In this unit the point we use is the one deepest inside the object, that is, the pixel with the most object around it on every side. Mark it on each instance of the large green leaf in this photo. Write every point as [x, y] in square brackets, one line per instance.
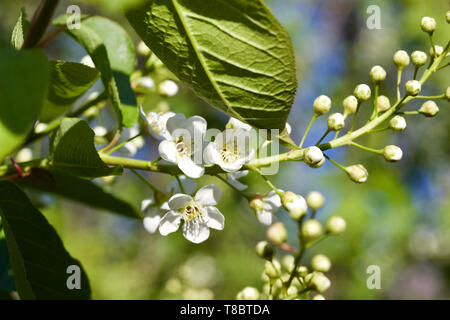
[68, 81]
[38, 257]
[23, 84]
[7, 283]
[233, 53]
[72, 149]
[84, 191]
[20, 29]
[112, 52]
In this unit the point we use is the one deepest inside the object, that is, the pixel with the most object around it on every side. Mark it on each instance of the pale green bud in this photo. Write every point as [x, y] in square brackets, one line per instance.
[295, 204]
[392, 153]
[292, 290]
[447, 16]
[264, 250]
[256, 203]
[272, 268]
[311, 229]
[350, 104]
[302, 271]
[383, 103]
[313, 156]
[335, 225]
[428, 24]
[315, 200]
[357, 173]
[362, 92]
[248, 293]
[378, 74]
[288, 263]
[321, 105]
[397, 123]
[320, 262]
[413, 87]
[168, 88]
[142, 49]
[319, 281]
[318, 297]
[336, 121]
[401, 59]
[419, 58]
[438, 49]
[429, 108]
[277, 233]
[24, 155]
[447, 94]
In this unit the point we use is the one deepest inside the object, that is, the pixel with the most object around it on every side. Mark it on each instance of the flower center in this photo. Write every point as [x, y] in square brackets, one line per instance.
[183, 147]
[192, 212]
[229, 153]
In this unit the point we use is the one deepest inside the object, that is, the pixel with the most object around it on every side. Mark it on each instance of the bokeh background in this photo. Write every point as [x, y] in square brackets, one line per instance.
[398, 220]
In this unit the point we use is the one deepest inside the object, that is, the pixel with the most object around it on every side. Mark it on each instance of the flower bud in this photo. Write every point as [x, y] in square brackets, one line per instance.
[295, 204]
[288, 263]
[24, 155]
[319, 281]
[397, 123]
[350, 104]
[447, 16]
[311, 229]
[419, 58]
[315, 200]
[272, 269]
[256, 203]
[248, 293]
[357, 173]
[392, 153]
[313, 156]
[142, 49]
[321, 105]
[168, 88]
[318, 297]
[335, 225]
[145, 83]
[277, 233]
[429, 108]
[378, 74]
[413, 87]
[383, 103]
[362, 92]
[401, 59]
[438, 49]
[264, 250]
[100, 131]
[320, 262]
[302, 271]
[428, 24]
[447, 94]
[336, 121]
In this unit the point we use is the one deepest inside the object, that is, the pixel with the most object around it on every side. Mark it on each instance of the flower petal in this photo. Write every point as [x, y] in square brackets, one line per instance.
[236, 183]
[273, 200]
[169, 223]
[190, 168]
[151, 223]
[178, 121]
[195, 233]
[178, 201]
[196, 123]
[208, 195]
[216, 220]
[147, 202]
[265, 217]
[168, 151]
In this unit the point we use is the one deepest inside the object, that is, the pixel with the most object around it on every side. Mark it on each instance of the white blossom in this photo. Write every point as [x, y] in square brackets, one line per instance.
[233, 177]
[157, 123]
[87, 61]
[153, 213]
[168, 88]
[265, 207]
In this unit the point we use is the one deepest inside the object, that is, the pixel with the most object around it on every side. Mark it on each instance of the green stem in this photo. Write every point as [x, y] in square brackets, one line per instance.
[299, 255]
[441, 96]
[124, 143]
[143, 179]
[180, 184]
[307, 130]
[375, 105]
[354, 117]
[416, 68]
[408, 112]
[323, 137]
[232, 187]
[399, 80]
[335, 163]
[366, 148]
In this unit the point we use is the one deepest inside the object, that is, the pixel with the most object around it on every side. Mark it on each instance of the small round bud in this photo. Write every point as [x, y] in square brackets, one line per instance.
[401, 59]
[311, 229]
[145, 83]
[142, 49]
[321, 105]
[428, 24]
[315, 200]
[302, 271]
[277, 233]
[378, 74]
[248, 293]
[318, 297]
[168, 88]
[264, 250]
[288, 263]
[357, 173]
[256, 203]
[295, 204]
[272, 269]
[438, 49]
[336, 121]
[429, 108]
[447, 94]
[392, 153]
[413, 87]
[419, 58]
[313, 156]
[335, 225]
[320, 262]
[319, 281]
[350, 104]
[362, 92]
[383, 103]
[100, 131]
[397, 123]
[24, 155]
[447, 16]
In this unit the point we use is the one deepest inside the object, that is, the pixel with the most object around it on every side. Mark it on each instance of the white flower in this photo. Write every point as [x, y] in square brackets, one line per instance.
[145, 83]
[100, 131]
[153, 213]
[189, 186]
[198, 213]
[168, 88]
[265, 207]
[230, 150]
[185, 144]
[157, 123]
[233, 177]
[87, 61]
[234, 124]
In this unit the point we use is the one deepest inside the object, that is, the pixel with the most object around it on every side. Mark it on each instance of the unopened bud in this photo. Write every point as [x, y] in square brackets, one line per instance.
[288, 263]
[100, 131]
[321, 105]
[295, 204]
[272, 269]
[383, 103]
[277, 233]
[438, 49]
[428, 24]
[413, 87]
[335, 225]
[248, 293]
[311, 229]
[362, 92]
[313, 156]
[142, 49]
[429, 108]
[397, 123]
[320, 262]
[378, 74]
[145, 83]
[350, 104]
[336, 121]
[419, 58]
[256, 203]
[168, 88]
[357, 173]
[392, 153]
[447, 16]
[318, 297]
[315, 200]
[319, 281]
[264, 250]
[401, 59]
[302, 271]
[447, 94]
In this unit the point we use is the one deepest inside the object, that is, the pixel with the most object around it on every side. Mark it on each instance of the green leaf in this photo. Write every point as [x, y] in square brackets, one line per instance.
[68, 81]
[23, 84]
[20, 29]
[6, 275]
[84, 191]
[232, 53]
[38, 257]
[72, 149]
[112, 52]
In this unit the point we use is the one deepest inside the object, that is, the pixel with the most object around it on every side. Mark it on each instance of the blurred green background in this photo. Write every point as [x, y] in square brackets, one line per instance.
[398, 220]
